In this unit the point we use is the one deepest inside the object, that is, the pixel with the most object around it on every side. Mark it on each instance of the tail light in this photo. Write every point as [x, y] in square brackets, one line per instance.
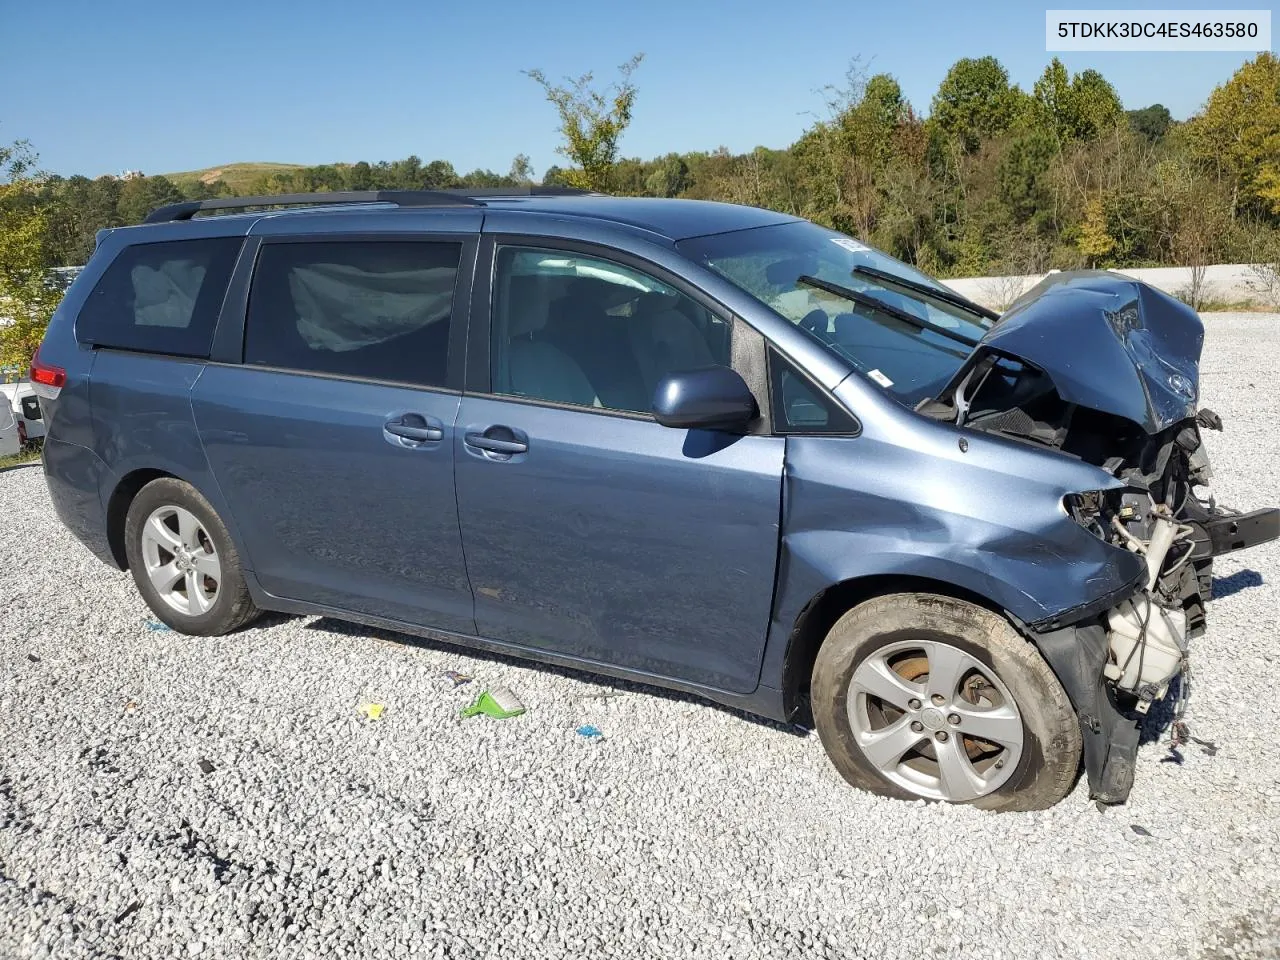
[46, 379]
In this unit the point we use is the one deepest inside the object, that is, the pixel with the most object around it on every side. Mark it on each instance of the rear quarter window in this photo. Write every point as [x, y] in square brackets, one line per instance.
[160, 297]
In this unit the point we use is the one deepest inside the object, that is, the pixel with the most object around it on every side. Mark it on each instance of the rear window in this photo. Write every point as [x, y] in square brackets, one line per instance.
[373, 309]
[160, 297]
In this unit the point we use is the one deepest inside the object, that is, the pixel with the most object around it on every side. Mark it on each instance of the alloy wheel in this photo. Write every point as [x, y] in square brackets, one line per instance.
[935, 720]
[181, 560]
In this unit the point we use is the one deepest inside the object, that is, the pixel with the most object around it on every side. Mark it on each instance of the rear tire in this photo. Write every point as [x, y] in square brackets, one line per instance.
[184, 562]
[918, 696]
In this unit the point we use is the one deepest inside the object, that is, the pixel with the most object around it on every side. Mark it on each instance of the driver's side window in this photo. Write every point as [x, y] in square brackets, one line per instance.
[580, 330]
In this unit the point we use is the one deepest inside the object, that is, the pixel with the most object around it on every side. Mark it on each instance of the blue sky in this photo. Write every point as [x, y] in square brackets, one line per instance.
[99, 87]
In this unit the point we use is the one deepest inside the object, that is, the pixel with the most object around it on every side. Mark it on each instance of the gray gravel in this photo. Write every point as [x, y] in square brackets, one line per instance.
[688, 831]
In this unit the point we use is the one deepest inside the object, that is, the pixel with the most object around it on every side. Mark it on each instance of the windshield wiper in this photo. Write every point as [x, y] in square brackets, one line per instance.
[946, 296]
[871, 303]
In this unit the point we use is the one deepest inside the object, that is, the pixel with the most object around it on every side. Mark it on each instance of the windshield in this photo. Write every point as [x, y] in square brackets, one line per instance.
[907, 341]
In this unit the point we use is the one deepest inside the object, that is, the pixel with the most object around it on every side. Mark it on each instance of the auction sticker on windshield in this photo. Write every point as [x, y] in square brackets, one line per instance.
[853, 246]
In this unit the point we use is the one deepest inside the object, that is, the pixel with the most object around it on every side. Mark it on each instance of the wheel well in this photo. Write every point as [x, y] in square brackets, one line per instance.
[118, 510]
[822, 611]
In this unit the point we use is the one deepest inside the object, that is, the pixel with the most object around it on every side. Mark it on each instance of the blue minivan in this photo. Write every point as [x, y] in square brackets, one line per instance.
[699, 445]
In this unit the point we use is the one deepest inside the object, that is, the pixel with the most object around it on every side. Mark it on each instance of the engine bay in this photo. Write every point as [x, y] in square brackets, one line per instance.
[1165, 512]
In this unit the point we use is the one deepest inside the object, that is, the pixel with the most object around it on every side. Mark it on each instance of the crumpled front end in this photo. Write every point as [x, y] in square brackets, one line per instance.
[1106, 370]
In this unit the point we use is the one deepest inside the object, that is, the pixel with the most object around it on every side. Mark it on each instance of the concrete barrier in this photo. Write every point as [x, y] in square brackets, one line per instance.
[1227, 283]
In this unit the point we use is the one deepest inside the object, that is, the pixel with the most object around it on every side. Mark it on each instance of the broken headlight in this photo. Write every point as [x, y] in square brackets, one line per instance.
[1093, 510]
[1109, 514]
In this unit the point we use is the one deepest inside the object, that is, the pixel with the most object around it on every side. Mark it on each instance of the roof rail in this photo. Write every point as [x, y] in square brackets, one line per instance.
[404, 198]
[523, 191]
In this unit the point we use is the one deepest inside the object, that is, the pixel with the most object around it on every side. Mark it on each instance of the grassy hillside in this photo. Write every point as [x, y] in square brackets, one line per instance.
[236, 175]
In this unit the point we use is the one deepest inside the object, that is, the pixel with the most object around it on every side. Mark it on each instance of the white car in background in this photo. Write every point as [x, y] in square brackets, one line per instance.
[21, 400]
[9, 442]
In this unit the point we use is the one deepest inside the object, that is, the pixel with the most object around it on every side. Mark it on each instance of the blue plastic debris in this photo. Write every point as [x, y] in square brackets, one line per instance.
[157, 625]
[586, 730]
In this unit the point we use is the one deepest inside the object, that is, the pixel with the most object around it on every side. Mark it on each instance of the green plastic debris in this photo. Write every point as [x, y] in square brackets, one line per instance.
[498, 702]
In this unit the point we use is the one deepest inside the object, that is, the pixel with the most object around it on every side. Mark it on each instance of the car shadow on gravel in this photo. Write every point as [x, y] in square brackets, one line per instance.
[616, 687]
[1156, 726]
[1240, 580]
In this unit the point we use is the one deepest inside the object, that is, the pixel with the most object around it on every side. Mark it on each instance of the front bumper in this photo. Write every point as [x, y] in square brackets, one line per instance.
[1217, 533]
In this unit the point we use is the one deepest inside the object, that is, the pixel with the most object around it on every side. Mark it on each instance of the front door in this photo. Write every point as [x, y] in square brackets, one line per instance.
[333, 441]
[590, 530]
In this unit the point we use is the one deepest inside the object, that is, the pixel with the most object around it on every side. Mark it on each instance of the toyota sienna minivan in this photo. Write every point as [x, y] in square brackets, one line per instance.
[700, 445]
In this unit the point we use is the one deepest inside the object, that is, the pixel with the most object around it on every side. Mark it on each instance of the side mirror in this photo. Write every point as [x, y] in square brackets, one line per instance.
[709, 398]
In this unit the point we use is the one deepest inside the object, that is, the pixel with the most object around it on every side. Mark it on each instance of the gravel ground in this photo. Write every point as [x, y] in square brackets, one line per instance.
[687, 831]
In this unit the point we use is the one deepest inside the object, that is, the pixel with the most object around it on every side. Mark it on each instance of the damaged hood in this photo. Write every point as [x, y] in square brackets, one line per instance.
[1108, 342]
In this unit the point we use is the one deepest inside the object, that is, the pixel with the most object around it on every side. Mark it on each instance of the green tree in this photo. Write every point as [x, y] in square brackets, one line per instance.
[975, 102]
[75, 210]
[1075, 108]
[591, 122]
[1023, 181]
[439, 175]
[1095, 105]
[360, 176]
[1052, 93]
[670, 179]
[521, 172]
[869, 124]
[1151, 123]
[141, 195]
[27, 298]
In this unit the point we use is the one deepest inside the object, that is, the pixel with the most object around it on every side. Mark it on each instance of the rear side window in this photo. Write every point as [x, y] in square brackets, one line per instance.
[160, 297]
[374, 309]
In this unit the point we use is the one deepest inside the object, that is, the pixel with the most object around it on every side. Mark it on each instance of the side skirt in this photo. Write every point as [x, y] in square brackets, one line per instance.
[764, 701]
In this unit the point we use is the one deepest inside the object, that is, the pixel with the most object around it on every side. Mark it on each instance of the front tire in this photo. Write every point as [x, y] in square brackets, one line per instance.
[918, 696]
[183, 561]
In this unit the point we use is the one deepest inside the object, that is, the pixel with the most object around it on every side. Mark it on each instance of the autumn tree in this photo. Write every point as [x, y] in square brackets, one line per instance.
[1239, 132]
[592, 121]
[1095, 242]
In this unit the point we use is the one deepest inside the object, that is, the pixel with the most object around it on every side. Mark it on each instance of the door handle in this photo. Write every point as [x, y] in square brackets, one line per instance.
[414, 427]
[494, 444]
